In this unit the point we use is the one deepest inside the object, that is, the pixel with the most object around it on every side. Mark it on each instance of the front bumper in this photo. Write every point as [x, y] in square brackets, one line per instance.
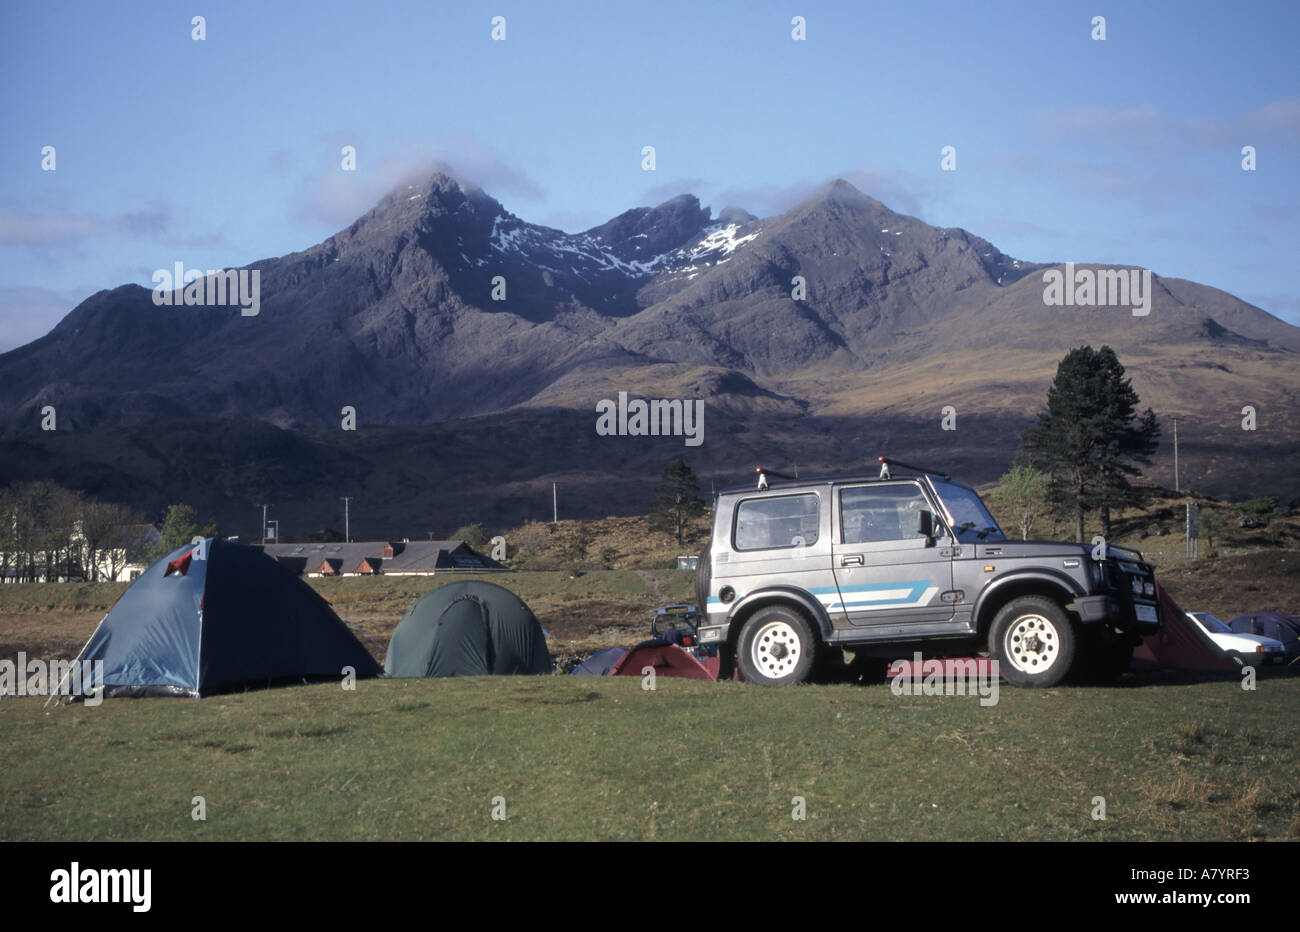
[1261, 658]
[711, 634]
[1141, 616]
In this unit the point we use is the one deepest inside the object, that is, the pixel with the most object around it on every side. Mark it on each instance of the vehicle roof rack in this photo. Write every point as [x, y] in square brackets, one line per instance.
[764, 473]
[886, 462]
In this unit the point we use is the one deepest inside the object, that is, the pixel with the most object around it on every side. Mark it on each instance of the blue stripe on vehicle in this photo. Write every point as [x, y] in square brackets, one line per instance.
[916, 585]
[916, 588]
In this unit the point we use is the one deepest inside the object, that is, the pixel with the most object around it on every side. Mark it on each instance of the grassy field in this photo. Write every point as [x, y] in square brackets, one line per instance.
[599, 758]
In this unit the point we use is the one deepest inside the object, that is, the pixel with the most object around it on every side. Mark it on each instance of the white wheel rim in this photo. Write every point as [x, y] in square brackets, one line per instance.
[776, 650]
[1032, 644]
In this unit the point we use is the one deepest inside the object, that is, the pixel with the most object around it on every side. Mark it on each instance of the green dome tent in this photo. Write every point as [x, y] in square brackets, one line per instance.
[468, 628]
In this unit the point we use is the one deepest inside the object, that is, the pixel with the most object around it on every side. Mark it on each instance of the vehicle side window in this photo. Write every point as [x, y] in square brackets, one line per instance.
[870, 514]
[783, 521]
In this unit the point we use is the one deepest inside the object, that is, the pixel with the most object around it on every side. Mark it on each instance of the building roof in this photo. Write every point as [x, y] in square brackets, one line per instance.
[413, 556]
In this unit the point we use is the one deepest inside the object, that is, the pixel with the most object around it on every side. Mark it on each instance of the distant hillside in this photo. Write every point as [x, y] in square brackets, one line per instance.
[468, 408]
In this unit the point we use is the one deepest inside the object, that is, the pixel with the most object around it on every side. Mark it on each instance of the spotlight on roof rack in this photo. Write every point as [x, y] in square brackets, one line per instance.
[886, 462]
[764, 473]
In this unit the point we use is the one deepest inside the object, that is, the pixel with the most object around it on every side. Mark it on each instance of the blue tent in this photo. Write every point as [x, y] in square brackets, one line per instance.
[600, 663]
[217, 616]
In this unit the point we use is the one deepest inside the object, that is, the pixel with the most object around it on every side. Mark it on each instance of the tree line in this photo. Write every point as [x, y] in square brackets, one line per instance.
[49, 532]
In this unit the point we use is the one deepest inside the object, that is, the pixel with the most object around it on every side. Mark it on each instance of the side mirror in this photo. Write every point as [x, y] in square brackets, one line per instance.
[925, 525]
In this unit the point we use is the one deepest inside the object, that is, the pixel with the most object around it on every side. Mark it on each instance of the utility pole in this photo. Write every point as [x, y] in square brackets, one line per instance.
[1176, 455]
[347, 528]
[555, 505]
[263, 534]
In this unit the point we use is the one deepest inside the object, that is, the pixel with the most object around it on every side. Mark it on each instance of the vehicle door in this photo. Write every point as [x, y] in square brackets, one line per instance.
[887, 569]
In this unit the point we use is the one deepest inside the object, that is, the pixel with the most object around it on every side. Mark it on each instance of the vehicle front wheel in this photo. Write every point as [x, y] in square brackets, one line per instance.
[1034, 641]
[776, 647]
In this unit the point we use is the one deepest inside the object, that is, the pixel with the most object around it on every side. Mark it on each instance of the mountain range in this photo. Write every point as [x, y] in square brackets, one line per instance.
[473, 348]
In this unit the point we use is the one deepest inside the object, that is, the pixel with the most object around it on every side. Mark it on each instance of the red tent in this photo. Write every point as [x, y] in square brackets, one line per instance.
[1179, 644]
[666, 660]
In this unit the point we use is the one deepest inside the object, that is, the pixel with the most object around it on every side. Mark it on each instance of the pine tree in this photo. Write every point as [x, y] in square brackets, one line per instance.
[676, 500]
[1090, 437]
[179, 527]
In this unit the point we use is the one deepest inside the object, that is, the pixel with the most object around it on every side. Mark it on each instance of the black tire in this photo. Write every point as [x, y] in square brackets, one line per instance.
[703, 577]
[1034, 642]
[776, 647]
[1104, 660]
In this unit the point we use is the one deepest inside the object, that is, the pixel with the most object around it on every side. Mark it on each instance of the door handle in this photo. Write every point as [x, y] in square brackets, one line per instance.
[853, 559]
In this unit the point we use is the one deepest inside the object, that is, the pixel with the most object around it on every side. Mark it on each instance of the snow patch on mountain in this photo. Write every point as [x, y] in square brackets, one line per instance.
[587, 254]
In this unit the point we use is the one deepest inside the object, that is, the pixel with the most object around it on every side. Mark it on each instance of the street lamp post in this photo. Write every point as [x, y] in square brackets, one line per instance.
[263, 534]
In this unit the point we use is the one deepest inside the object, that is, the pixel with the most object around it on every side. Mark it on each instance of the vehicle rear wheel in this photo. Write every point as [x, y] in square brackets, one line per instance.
[776, 647]
[1033, 640]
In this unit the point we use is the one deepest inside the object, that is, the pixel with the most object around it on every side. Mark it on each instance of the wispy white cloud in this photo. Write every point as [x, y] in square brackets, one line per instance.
[64, 229]
[57, 236]
[1145, 126]
[899, 190]
[337, 197]
[1149, 182]
[666, 191]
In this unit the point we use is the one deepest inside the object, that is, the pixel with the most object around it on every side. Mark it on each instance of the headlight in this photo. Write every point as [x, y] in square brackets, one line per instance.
[1137, 586]
[1149, 588]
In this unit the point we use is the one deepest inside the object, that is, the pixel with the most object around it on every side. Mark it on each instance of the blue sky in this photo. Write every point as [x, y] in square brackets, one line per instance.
[220, 152]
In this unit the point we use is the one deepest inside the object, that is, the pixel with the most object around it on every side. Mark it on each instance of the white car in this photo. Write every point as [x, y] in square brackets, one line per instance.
[1244, 648]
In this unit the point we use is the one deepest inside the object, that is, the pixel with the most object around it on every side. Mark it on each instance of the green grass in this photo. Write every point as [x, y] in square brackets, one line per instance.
[51, 597]
[532, 586]
[597, 758]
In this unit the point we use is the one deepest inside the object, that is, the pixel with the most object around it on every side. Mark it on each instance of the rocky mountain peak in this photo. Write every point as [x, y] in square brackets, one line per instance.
[645, 232]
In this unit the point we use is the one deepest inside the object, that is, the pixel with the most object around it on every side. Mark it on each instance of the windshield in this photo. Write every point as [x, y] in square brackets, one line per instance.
[973, 521]
[1211, 623]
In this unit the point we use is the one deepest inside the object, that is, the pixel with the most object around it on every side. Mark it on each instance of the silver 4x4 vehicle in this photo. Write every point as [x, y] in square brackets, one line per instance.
[798, 569]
